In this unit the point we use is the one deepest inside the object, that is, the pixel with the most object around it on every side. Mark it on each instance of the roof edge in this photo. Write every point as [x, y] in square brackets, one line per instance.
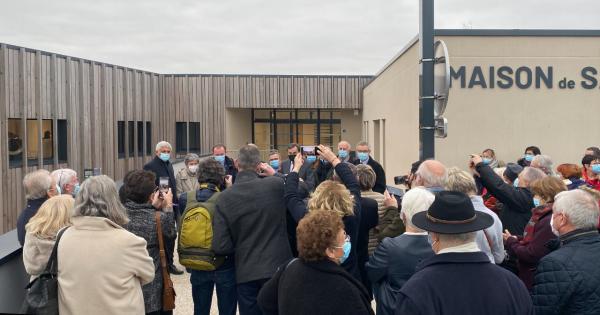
[491, 32]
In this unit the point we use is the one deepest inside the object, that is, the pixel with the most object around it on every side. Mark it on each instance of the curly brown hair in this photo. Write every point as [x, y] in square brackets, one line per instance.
[138, 186]
[316, 232]
[210, 171]
[547, 187]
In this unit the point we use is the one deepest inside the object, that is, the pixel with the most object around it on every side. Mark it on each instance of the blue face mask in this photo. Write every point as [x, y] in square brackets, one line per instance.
[58, 190]
[311, 158]
[528, 157]
[487, 161]
[274, 164]
[362, 156]
[596, 168]
[516, 183]
[76, 190]
[165, 157]
[536, 202]
[220, 159]
[347, 246]
[342, 153]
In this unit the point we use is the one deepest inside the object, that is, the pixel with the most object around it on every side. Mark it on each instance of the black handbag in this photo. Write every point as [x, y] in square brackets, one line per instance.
[42, 294]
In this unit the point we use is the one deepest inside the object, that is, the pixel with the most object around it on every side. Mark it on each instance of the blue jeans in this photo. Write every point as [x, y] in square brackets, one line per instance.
[247, 293]
[203, 283]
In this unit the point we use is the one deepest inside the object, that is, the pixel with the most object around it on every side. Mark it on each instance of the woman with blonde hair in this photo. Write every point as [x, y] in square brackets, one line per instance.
[53, 215]
[344, 199]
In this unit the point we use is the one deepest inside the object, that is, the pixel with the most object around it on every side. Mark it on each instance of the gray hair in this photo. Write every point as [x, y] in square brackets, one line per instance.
[580, 208]
[163, 144]
[98, 197]
[430, 176]
[414, 201]
[366, 177]
[37, 184]
[544, 163]
[531, 174]
[346, 142]
[63, 176]
[248, 158]
[191, 157]
[461, 181]
[363, 143]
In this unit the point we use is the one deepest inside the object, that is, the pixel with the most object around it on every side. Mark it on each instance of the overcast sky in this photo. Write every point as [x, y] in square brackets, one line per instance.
[262, 36]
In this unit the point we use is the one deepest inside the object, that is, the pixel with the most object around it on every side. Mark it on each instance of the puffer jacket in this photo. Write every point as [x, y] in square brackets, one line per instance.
[567, 280]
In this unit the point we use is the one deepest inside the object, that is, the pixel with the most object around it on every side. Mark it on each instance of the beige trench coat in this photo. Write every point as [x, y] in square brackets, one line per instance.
[101, 269]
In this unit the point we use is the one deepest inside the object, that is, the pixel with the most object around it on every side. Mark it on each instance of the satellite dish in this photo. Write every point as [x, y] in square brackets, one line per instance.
[441, 78]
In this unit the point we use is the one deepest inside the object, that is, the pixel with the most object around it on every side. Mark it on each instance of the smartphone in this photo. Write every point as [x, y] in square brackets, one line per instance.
[309, 150]
[163, 184]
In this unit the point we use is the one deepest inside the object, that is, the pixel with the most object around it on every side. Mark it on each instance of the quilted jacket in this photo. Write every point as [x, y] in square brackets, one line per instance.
[567, 280]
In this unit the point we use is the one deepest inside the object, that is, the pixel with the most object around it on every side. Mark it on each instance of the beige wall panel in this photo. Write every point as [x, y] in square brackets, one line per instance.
[238, 126]
[394, 96]
[351, 127]
[562, 122]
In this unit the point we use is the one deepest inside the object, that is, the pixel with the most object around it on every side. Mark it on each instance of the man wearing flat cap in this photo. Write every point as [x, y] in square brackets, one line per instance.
[459, 279]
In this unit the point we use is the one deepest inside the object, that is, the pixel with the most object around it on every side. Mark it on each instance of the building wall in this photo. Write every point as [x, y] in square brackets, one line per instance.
[90, 96]
[562, 122]
[93, 97]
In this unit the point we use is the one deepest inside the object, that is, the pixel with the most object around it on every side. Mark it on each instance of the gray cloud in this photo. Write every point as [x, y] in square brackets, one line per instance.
[261, 36]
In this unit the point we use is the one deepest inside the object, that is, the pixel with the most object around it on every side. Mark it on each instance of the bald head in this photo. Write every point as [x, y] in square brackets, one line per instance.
[431, 173]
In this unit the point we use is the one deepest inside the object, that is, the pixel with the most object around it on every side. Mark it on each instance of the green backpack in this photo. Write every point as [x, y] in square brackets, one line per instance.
[195, 234]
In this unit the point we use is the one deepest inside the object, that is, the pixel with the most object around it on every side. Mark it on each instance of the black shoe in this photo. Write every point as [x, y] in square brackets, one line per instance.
[173, 270]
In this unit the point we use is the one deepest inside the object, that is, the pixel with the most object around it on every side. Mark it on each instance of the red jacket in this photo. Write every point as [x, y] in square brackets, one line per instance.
[529, 254]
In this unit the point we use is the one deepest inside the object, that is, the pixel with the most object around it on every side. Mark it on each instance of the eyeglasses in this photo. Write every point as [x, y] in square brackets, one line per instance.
[346, 239]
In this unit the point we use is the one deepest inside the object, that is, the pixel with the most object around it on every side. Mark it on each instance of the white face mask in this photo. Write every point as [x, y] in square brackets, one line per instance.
[193, 168]
[555, 231]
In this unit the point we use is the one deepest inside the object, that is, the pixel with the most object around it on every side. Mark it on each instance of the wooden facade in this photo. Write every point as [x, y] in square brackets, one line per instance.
[93, 98]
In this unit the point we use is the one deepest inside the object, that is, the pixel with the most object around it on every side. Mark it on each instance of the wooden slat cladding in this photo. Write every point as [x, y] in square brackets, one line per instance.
[92, 98]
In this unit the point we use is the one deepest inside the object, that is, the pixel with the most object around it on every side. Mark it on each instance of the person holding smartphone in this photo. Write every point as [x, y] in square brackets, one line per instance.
[162, 168]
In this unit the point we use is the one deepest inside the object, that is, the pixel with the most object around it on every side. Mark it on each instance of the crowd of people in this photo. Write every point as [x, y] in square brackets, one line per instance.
[317, 232]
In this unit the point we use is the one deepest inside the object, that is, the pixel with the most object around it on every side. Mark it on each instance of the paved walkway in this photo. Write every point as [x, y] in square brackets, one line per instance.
[183, 302]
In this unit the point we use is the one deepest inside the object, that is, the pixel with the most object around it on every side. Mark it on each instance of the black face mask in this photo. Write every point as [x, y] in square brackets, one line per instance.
[292, 157]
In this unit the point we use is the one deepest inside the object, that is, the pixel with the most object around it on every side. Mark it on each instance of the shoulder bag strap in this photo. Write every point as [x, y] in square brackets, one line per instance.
[52, 266]
[161, 245]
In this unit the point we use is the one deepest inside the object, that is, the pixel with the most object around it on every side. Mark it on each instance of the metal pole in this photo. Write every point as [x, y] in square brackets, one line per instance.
[426, 121]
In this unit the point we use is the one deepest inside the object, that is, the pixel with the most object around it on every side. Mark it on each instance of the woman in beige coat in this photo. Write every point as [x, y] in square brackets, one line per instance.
[101, 266]
[53, 215]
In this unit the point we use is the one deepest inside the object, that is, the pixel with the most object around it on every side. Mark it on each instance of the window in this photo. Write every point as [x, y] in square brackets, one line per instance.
[195, 137]
[35, 144]
[148, 138]
[15, 143]
[140, 138]
[275, 129]
[181, 137]
[61, 132]
[121, 139]
[131, 137]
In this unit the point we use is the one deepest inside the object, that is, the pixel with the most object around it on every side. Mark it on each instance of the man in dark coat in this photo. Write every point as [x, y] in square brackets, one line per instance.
[567, 281]
[395, 259]
[162, 167]
[517, 200]
[363, 157]
[459, 279]
[39, 186]
[305, 173]
[250, 222]
[220, 154]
